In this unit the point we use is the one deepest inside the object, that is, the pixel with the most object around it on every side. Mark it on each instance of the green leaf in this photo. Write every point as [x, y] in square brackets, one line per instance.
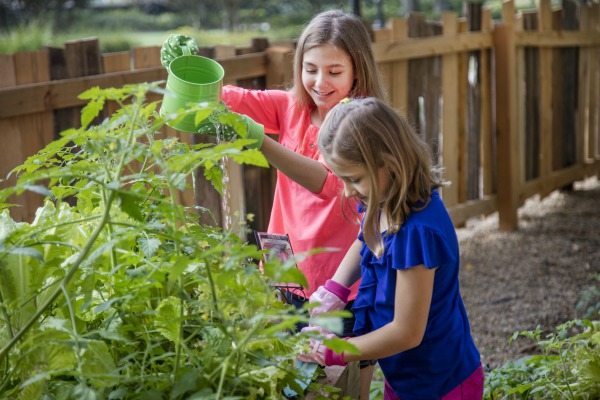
[167, 319]
[201, 115]
[98, 364]
[149, 246]
[215, 176]
[93, 107]
[130, 204]
[340, 345]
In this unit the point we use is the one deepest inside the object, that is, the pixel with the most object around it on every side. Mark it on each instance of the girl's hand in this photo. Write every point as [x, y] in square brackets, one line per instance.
[332, 296]
[322, 354]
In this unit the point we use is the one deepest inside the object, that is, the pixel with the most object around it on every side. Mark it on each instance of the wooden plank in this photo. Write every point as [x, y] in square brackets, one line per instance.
[462, 106]
[82, 58]
[450, 123]
[558, 179]
[584, 79]
[460, 213]
[399, 90]
[507, 116]
[279, 67]
[487, 94]
[223, 51]
[29, 99]
[558, 39]
[474, 100]
[33, 131]
[570, 57]
[245, 66]
[116, 62]
[431, 46]
[557, 98]
[532, 132]
[546, 93]
[146, 57]
[10, 137]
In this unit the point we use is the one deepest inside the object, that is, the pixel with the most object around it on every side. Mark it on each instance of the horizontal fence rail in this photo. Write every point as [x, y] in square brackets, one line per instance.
[509, 107]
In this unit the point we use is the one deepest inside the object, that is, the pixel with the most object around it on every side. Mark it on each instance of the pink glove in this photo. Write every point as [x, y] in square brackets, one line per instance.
[322, 354]
[332, 296]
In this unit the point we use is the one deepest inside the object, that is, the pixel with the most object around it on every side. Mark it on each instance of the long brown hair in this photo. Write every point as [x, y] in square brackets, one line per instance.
[369, 133]
[348, 33]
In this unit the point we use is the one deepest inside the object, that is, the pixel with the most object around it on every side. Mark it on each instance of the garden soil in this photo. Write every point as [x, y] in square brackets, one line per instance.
[545, 273]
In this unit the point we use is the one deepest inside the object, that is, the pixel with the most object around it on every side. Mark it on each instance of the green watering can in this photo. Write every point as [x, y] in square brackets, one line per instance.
[191, 79]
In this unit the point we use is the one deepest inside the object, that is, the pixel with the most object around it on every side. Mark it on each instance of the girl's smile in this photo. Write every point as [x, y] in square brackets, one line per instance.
[328, 77]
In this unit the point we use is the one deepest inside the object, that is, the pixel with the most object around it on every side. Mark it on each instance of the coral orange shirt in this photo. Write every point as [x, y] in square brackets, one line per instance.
[312, 220]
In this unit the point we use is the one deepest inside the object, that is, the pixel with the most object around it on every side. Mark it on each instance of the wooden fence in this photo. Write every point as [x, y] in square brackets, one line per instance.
[510, 107]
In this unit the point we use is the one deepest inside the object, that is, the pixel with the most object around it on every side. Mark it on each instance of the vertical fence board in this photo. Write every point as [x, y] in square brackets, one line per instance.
[450, 121]
[463, 131]
[399, 91]
[507, 114]
[546, 73]
[558, 158]
[10, 136]
[146, 57]
[474, 20]
[570, 59]
[488, 165]
[27, 134]
[533, 74]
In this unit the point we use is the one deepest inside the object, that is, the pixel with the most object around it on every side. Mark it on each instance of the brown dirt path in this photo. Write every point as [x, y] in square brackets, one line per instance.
[514, 281]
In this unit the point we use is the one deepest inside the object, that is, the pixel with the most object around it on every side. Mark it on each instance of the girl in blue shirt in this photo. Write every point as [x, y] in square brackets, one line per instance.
[409, 312]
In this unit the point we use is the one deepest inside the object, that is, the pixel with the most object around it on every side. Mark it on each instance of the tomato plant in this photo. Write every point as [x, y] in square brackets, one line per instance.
[115, 291]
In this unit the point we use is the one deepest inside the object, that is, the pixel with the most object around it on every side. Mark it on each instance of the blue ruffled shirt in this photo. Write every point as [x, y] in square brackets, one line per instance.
[447, 355]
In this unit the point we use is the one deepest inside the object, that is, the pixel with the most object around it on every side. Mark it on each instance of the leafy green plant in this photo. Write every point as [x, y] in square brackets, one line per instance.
[115, 291]
[567, 368]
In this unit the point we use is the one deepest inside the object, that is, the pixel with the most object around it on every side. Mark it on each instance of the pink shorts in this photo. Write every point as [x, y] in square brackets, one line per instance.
[470, 389]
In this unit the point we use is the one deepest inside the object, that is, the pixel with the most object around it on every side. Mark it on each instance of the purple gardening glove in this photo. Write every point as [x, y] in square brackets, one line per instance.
[332, 296]
[322, 354]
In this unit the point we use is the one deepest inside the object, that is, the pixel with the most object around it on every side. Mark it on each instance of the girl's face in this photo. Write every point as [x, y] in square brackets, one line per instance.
[357, 182]
[327, 76]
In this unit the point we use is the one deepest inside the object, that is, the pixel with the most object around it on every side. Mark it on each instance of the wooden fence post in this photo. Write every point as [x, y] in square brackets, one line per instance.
[450, 121]
[488, 161]
[399, 91]
[507, 119]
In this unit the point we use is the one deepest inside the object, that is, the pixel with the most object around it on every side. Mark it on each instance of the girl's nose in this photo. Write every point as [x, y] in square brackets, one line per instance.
[348, 191]
[320, 79]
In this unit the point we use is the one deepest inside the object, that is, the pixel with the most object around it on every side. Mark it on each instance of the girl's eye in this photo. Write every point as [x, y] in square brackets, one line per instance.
[310, 71]
[335, 73]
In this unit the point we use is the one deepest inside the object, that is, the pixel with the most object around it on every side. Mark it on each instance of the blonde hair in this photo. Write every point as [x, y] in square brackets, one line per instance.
[368, 133]
[348, 33]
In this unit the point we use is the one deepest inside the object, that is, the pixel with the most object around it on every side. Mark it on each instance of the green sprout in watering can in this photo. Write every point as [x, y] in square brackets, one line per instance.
[175, 46]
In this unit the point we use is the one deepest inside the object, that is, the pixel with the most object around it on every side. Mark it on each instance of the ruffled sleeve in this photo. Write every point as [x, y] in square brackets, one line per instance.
[420, 245]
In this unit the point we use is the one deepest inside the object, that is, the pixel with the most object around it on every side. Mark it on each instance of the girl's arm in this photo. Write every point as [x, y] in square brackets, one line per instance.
[414, 289]
[349, 270]
[307, 172]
